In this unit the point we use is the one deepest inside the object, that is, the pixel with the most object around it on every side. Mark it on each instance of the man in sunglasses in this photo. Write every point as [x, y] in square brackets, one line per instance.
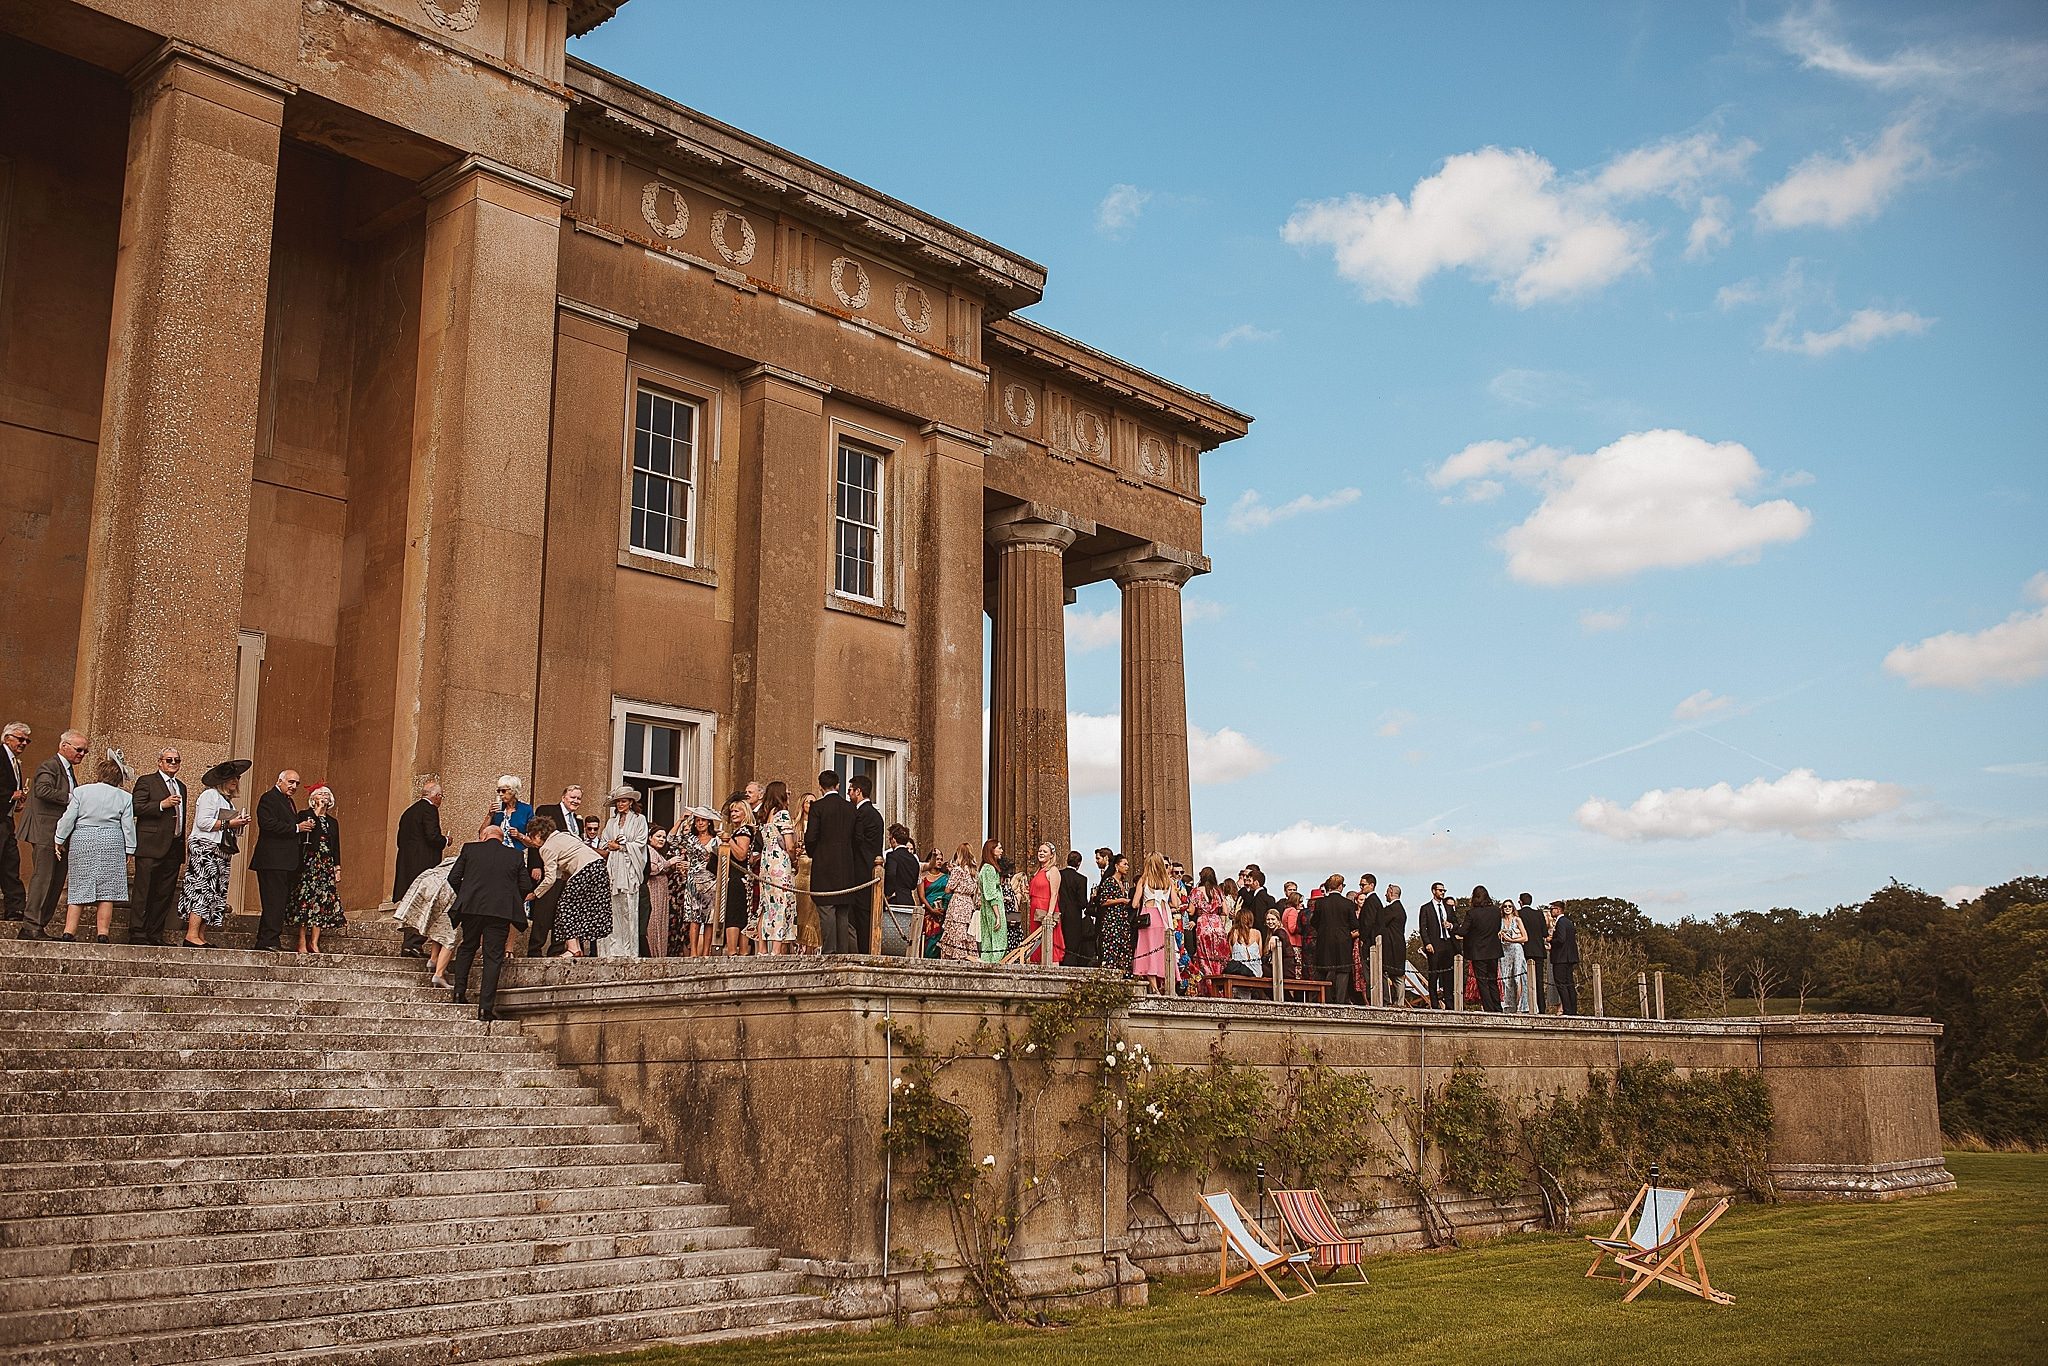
[162, 820]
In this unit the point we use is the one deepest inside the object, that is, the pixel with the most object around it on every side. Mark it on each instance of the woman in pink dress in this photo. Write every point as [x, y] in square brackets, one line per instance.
[1152, 904]
[1212, 929]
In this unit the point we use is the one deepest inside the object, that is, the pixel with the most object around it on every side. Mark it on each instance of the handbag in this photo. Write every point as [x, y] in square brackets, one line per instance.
[229, 845]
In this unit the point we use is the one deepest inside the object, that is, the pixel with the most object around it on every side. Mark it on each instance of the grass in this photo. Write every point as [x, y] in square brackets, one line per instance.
[1946, 1278]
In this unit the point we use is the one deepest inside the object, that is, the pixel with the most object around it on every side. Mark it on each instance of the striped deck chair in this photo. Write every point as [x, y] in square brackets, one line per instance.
[1655, 1211]
[1239, 1235]
[1667, 1263]
[1314, 1230]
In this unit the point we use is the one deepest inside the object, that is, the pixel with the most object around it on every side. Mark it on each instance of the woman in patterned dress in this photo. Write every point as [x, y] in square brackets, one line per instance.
[1113, 911]
[931, 894]
[1212, 930]
[693, 876]
[583, 917]
[316, 905]
[777, 929]
[203, 896]
[660, 858]
[960, 940]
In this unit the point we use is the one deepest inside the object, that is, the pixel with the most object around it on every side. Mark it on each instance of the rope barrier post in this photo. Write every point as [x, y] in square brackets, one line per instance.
[1279, 972]
[1376, 989]
[806, 909]
[1643, 995]
[1599, 996]
[875, 899]
[1657, 991]
[1458, 980]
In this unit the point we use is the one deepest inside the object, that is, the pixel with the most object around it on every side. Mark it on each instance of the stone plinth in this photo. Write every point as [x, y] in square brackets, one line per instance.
[769, 1079]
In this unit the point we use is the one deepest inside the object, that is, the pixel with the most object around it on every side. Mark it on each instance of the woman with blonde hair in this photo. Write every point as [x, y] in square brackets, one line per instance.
[736, 855]
[693, 876]
[777, 929]
[623, 842]
[316, 905]
[960, 940]
[1153, 901]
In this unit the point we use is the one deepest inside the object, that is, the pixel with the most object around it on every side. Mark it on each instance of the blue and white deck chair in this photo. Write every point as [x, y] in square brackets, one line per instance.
[1239, 1236]
[1655, 1211]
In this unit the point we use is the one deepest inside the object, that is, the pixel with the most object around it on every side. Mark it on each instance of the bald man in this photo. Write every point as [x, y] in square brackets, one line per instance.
[280, 852]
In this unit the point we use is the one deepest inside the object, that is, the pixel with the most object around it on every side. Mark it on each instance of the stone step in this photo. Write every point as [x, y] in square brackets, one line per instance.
[168, 1093]
[55, 962]
[343, 1157]
[197, 1125]
[457, 1030]
[127, 990]
[728, 1323]
[371, 926]
[364, 1071]
[152, 1006]
[548, 1237]
[69, 1145]
[131, 1050]
[373, 1185]
[208, 1306]
[207, 1220]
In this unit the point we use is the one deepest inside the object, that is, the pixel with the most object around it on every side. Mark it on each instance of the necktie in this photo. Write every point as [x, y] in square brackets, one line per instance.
[178, 816]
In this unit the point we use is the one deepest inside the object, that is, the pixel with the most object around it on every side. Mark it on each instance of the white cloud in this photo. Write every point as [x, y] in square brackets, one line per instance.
[1386, 641]
[1095, 746]
[1202, 609]
[1393, 722]
[1088, 631]
[1797, 804]
[1251, 512]
[1961, 892]
[1309, 852]
[2014, 651]
[1831, 192]
[1709, 231]
[1508, 218]
[1120, 208]
[2008, 73]
[1865, 326]
[1701, 704]
[1651, 500]
[1596, 621]
[2033, 768]
[1245, 332]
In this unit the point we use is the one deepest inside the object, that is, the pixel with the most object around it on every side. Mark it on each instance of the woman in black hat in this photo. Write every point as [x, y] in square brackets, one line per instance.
[203, 900]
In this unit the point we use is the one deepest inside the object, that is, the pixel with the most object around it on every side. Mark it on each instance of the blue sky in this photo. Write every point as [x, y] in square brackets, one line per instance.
[1647, 486]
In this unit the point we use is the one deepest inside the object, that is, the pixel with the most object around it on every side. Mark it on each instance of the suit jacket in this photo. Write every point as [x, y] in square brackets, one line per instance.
[869, 836]
[1334, 918]
[1533, 922]
[1393, 938]
[280, 847]
[1564, 943]
[1482, 932]
[1080, 929]
[49, 793]
[490, 883]
[559, 814]
[899, 875]
[12, 780]
[420, 844]
[1439, 931]
[828, 839]
[156, 830]
[1371, 911]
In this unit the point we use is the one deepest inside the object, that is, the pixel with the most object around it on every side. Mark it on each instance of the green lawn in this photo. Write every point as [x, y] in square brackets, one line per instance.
[1959, 1277]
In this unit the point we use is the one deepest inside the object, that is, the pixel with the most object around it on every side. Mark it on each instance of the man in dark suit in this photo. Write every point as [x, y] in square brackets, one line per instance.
[13, 796]
[421, 846]
[1394, 947]
[1367, 921]
[1080, 933]
[49, 794]
[828, 839]
[490, 885]
[1336, 926]
[867, 847]
[162, 819]
[1564, 958]
[565, 814]
[1438, 927]
[900, 870]
[1482, 946]
[280, 852]
[1535, 950]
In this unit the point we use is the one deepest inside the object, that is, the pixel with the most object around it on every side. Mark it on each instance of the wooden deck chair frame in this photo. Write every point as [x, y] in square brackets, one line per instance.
[1619, 1241]
[1295, 1263]
[1313, 1228]
[1668, 1263]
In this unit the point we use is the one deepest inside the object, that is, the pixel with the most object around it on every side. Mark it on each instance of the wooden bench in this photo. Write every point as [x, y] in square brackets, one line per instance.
[1312, 987]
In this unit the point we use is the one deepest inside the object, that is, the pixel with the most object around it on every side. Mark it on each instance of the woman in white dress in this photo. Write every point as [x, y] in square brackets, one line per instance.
[96, 840]
[623, 842]
[210, 850]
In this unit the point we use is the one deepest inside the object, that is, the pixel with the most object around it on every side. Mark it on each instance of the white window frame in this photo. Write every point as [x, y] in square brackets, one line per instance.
[893, 773]
[700, 738]
[880, 528]
[699, 429]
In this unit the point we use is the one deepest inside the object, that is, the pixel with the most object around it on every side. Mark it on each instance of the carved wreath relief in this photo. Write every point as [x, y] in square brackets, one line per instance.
[1021, 406]
[670, 227]
[456, 19]
[857, 298]
[721, 222]
[1090, 436]
[1152, 457]
[919, 321]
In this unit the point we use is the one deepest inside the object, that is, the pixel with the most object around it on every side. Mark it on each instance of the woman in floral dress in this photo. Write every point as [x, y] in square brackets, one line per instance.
[960, 941]
[1212, 930]
[693, 877]
[317, 904]
[777, 932]
[1113, 911]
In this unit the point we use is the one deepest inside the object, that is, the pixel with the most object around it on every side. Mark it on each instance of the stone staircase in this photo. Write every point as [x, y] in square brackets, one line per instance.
[226, 1156]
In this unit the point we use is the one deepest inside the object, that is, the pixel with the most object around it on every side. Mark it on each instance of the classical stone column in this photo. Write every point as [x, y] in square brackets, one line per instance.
[1027, 780]
[948, 574]
[1156, 814]
[170, 508]
[469, 636]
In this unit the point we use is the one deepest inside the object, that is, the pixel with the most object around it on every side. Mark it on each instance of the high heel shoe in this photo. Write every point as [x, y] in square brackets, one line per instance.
[101, 939]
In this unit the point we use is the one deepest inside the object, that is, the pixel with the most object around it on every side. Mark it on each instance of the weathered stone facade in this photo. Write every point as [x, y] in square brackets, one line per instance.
[326, 331]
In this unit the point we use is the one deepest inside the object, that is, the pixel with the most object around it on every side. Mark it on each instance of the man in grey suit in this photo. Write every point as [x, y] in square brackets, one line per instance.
[161, 816]
[13, 796]
[49, 794]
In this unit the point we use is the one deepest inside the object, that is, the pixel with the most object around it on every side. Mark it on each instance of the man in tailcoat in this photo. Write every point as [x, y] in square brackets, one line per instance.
[1394, 947]
[163, 815]
[1080, 931]
[1335, 920]
[280, 853]
[490, 885]
[1564, 958]
[1370, 912]
[421, 845]
[49, 794]
[868, 830]
[1537, 949]
[1483, 948]
[835, 864]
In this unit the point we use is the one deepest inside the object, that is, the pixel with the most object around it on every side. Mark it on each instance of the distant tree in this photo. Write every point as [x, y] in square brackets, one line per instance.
[1610, 917]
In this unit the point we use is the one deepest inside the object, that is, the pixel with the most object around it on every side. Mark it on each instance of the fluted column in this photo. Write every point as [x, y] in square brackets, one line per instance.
[1156, 813]
[1028, 687]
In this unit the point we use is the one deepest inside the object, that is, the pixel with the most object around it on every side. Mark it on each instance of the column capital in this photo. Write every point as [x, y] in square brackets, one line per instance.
[775, 374]
[1041, 523]
[1031, 532]
[472, 166]
[211, 76]
[1153, 564]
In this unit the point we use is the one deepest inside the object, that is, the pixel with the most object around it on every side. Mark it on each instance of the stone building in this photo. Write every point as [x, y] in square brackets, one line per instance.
[385, 393]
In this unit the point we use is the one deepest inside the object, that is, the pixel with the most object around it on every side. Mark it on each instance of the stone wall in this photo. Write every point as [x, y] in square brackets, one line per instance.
[769, 1079]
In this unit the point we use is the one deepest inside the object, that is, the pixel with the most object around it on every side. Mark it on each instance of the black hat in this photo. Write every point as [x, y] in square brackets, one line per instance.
[224, 770]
